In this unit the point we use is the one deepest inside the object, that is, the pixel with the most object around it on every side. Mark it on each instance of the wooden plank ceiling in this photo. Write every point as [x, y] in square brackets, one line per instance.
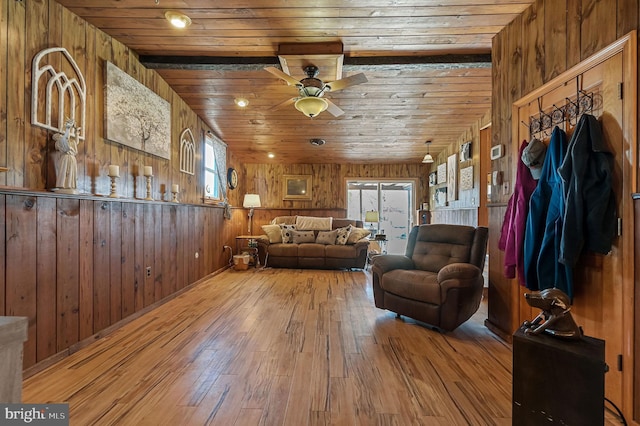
[426, 61]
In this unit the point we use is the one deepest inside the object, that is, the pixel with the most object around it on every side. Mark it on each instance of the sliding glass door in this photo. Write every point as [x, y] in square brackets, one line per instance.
[393, 201]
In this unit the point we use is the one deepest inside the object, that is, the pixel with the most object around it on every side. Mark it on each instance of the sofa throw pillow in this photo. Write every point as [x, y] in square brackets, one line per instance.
[303, 237]
[287, 233]
[327, 237]
[342, 234]
[309, 223]
[357, 234]
[274, 233]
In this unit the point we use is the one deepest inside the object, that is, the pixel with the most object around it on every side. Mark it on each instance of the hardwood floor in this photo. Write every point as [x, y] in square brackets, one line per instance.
[292, 347]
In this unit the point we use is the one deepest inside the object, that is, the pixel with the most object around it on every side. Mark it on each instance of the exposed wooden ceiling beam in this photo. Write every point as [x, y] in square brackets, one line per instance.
[226, 63]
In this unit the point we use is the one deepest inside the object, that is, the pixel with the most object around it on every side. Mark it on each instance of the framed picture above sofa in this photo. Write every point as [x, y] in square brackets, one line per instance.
[296, 187]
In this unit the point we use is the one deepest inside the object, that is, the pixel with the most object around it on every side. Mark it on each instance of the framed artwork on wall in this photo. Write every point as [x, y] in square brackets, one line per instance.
[452, 177]
[466, 178]
[136, 116]
[296, 187]
[465, 151]
[433, 178]
[441, 197]
[442, 173]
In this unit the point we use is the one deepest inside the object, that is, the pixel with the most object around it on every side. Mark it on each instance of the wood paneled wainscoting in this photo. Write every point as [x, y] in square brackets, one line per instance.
[78, 267]
[455, 216]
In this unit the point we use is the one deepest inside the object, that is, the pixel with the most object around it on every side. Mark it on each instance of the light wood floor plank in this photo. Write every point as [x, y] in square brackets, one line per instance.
[282, 347]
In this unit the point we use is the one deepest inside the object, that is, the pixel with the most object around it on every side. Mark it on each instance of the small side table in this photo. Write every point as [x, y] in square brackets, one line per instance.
[381, 239]
[249, 244]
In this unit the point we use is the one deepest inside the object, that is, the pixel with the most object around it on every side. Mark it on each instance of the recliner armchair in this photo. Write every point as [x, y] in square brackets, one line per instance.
[439, 279]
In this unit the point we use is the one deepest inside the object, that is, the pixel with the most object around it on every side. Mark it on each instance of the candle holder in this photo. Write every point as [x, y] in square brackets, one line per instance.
[114, 187]
[148, 198]
[174, 197]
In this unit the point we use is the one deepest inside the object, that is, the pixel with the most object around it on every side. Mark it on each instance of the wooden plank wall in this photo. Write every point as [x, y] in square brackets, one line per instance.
[28, 27]
[76, 267]
[328, 182]
[546, 40]
[463, 210]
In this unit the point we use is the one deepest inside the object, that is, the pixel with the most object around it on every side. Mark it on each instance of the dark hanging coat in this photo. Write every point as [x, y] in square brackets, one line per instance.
[515, 221]
[544, 224]
[587, 175]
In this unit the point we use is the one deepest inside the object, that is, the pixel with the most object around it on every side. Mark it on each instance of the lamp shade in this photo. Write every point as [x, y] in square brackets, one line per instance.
[427, 159]
[311, 105]
[371, 216]
[251, 201]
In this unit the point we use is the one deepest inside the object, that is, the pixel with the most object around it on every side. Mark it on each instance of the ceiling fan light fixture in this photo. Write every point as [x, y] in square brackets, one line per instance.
[241, 102]
[311, 106]
[177, 19]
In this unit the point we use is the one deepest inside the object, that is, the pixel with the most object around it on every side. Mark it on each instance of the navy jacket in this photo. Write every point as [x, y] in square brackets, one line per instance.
[544, 224]
[587, 175]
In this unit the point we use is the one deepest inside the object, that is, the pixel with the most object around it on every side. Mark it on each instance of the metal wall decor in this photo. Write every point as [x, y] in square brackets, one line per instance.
[187, 152]
[64, 95]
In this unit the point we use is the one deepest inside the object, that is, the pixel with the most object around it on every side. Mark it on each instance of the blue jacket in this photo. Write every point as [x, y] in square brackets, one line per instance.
[587, 174]
[544, 224]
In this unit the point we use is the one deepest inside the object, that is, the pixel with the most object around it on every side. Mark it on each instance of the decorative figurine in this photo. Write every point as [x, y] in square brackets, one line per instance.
[67, 167]
[556, 307]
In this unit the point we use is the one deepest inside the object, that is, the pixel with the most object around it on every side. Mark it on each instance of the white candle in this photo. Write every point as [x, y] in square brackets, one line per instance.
[148, 171]
[114, 170]
[175, 188]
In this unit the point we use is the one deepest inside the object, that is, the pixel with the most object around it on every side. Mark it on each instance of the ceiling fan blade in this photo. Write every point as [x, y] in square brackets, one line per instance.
[286, 77]
[333, 108]
[283, 104]
[347, 81]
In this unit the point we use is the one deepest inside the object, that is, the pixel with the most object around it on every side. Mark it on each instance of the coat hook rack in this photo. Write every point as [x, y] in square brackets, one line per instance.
[541, 123]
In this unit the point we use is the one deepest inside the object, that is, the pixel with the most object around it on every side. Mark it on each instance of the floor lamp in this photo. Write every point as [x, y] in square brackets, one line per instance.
[250, 202]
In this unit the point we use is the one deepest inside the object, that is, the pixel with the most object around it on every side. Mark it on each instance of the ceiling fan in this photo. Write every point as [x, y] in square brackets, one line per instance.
[311, 90]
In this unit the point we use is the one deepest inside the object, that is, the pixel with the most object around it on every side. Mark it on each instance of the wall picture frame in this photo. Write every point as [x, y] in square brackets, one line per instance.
[297, 187]
[442, 173]
[452, 177]
[465, 151]
[135, 115]
[433, 178]
[440, 197]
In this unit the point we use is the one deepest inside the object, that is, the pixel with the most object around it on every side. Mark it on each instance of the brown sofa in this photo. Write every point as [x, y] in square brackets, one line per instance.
[438, 280]
[312, 255]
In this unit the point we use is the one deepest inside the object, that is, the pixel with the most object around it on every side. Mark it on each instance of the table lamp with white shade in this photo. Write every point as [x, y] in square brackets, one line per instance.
[372, 217]
[250, 202]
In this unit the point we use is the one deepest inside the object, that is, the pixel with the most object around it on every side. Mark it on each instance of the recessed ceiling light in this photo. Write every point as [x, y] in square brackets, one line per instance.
[317, 141]
[177, 19]
[271, 155]
[241, 102]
